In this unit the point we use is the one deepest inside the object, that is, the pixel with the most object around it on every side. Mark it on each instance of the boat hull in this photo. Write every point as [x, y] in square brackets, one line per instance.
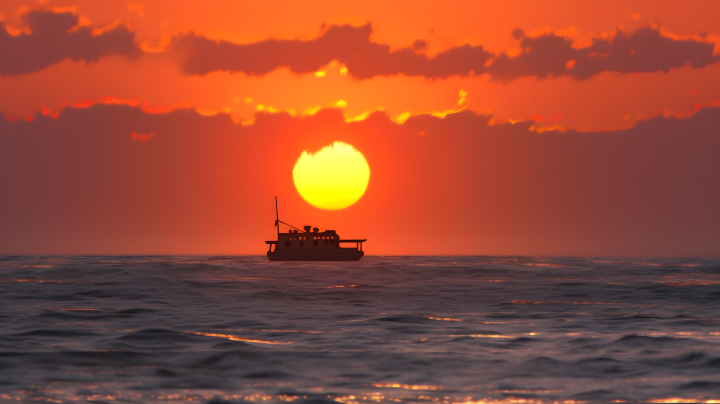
[339, 254]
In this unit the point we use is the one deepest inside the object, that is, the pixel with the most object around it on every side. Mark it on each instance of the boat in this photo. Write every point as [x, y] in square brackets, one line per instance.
[311, 244]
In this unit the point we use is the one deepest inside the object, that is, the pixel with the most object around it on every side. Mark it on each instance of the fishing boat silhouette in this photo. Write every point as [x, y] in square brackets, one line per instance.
[311, 244]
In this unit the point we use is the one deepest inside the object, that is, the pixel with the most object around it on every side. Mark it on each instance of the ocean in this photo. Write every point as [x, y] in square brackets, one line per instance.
[435, 329]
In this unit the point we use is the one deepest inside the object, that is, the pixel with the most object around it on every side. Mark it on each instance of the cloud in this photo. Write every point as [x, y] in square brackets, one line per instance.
[644, 50]
[517, 33]
[347, 44]
[204, 185]
[57, 36]
[548, 55]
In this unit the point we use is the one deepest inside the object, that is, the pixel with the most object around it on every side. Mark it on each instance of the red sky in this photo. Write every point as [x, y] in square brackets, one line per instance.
[530, 128]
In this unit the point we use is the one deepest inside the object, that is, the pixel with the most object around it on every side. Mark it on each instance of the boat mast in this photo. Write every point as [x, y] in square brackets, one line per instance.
[277, 219]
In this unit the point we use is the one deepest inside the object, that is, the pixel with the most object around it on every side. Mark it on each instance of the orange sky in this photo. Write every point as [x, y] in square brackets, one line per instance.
[215, 82]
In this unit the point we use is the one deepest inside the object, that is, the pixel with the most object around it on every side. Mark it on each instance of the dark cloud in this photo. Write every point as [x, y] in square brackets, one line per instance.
[644, 50]
[51, 40]
[543, 56]
[349, 45]
[547, 55]
[204, 185]
[420, 45]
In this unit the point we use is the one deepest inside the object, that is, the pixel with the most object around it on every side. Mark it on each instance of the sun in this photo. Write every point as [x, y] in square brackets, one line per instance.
[333, 178]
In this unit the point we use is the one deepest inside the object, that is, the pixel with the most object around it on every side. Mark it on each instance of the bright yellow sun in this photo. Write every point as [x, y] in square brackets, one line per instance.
[333, 178]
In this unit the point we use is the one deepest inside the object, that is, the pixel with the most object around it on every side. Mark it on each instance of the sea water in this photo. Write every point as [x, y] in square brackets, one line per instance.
[384, 329]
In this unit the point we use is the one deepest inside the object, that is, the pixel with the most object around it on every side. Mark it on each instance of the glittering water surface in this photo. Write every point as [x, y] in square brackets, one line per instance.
[407, 329]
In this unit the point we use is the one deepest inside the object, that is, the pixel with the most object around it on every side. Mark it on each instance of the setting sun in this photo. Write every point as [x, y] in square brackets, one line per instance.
[333, 178]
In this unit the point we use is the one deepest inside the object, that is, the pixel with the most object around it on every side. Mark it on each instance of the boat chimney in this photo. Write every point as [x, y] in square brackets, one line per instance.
[307, 228]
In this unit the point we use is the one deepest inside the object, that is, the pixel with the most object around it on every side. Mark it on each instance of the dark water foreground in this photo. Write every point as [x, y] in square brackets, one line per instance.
[385, 329]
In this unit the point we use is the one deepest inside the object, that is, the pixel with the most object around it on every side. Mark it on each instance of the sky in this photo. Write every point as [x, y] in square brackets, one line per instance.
[558, 128]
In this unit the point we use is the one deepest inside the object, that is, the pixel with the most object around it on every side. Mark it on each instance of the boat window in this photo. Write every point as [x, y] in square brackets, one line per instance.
[326, 242]
[315, 243]
[301, 243]
[287, 244]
